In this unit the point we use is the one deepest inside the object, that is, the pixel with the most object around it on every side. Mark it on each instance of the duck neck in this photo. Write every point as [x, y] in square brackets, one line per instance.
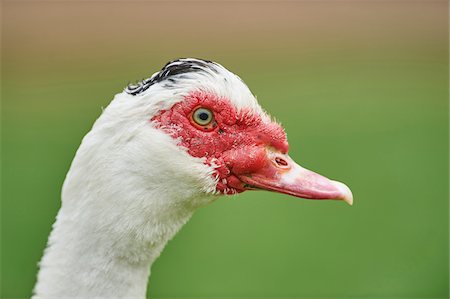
[120, 206]
[88, 258]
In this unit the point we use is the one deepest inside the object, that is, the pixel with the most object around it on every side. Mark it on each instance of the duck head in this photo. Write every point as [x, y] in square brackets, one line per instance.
[211, 115]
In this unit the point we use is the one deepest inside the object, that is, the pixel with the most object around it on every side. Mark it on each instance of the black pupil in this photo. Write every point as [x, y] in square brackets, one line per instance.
[203, 116]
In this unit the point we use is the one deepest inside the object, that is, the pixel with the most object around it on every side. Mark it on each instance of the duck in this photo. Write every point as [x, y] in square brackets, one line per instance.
[163, 148]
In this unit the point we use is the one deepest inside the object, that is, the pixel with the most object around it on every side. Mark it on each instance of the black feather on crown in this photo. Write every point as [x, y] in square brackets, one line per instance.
[172, 68]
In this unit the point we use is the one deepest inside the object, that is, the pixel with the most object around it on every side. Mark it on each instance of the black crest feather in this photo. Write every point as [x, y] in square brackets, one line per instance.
[171, 69]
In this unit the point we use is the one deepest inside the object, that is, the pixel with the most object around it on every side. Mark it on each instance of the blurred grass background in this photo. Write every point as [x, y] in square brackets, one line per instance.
[360, 86]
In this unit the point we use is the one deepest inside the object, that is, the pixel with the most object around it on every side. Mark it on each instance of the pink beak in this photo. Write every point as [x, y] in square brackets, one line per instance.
[281, 174]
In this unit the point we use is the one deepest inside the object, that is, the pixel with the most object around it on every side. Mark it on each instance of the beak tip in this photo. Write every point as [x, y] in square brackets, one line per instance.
[346, 193]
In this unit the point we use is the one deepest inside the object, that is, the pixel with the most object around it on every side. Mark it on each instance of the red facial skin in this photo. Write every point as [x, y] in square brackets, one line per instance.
[235, 144]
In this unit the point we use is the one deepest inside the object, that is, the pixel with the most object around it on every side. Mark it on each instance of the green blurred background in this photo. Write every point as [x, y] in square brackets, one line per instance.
[361, 88]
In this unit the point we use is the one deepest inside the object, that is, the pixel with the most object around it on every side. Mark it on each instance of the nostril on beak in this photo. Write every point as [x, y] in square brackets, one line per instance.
[281, 162]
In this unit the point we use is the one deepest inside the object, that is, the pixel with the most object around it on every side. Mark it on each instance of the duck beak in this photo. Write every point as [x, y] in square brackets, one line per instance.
[281, 174]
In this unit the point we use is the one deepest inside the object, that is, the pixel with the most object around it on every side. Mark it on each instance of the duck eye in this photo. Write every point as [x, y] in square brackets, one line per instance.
[202, 116]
